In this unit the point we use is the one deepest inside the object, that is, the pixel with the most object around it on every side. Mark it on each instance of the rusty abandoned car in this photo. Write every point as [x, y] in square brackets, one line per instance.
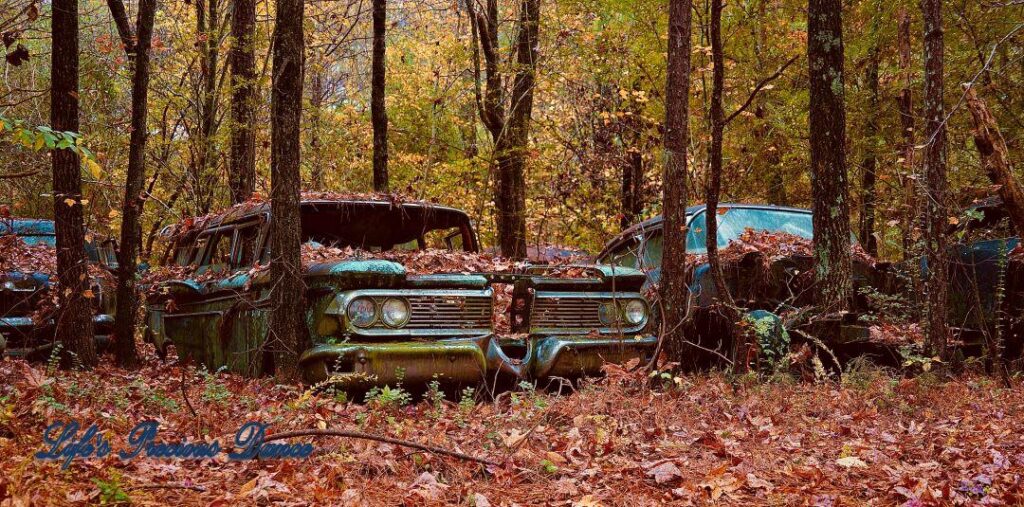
[767, 257]
[395, 291]
[766, 263]
[27, 279]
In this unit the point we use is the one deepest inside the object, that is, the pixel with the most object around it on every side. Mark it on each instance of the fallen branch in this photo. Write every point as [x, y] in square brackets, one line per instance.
[377, 438]
[15, 176]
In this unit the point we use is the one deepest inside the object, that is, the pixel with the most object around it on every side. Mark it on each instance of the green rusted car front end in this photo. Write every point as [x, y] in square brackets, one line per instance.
[445, 327]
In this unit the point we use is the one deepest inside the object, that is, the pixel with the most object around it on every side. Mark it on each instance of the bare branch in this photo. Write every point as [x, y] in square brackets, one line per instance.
[764, 82]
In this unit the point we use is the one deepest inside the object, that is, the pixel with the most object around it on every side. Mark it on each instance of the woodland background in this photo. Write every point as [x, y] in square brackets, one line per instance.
[597, 116]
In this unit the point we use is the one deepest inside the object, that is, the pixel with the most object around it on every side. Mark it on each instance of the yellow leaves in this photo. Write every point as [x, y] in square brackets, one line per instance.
[70, 202]
[94, 168]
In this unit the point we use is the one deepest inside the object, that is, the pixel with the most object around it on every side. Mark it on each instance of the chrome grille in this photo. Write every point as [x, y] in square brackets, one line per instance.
[576, 312]
[566, 313]
[432, 312]
[449, 312]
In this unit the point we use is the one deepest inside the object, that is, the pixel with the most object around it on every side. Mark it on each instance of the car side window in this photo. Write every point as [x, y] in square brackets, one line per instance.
[627, 254]
[194, 254]
[219, 249]
[697, 237]
[246, 245]
[654, 248]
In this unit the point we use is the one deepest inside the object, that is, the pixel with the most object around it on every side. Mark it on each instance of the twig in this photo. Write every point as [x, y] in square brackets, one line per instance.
[184, 394]
[377, 438]
[764, 82]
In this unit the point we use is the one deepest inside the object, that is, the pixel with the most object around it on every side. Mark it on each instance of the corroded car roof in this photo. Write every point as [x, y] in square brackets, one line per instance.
[250, 209]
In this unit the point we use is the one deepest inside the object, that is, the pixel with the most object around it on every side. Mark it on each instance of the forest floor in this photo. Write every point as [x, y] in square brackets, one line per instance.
[870, 439]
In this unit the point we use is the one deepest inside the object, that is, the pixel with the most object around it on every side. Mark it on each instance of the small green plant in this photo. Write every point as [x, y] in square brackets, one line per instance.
[111, 491]
[214, 391]
[467, 402]
[388, 397]
[916, 361]
[435, 397]
[532, 396]
[548, 467]
[54, 360]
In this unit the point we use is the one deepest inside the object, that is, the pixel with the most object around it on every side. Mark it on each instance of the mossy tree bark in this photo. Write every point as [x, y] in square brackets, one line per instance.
[936, 198]
[674, 288]
[833, 266]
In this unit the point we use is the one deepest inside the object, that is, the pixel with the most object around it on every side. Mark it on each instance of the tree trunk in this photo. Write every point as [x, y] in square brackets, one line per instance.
[287, 334]
[674, 288]
[510, 136]
[936, 212]
[378, 111]
[124, 28]
[996, 159]
[206, 26]
[316, 104]
[74, 317]
[632, 186]
[511, 195]
[906, 108]
[714, 188]
[869, 193]
[134, 200]
[833, 267]
[242, 175]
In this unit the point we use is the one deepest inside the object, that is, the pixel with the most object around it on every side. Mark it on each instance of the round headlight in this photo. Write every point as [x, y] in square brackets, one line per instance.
[608, 314]
[362, 312]
[394, 312]
[635, 312]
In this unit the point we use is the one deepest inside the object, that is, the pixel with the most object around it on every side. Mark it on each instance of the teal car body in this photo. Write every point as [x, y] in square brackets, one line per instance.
[24, 332]
[219, 315]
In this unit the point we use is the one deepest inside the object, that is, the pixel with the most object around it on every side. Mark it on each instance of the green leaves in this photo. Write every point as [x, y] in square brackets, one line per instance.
[43, 137]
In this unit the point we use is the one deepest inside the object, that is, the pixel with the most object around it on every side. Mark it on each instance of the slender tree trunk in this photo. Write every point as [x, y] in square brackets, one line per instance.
[134, 200]
[206, 26]
[316, 103]
[870, 195]
[714, 188]
[996, 159]
[242, 175]
[124, 28]
[674, 288]
[632, 186]
[378, 111]
[936, 200]
[833, 267]
[287, 334]
[906, 108]
[74, 318]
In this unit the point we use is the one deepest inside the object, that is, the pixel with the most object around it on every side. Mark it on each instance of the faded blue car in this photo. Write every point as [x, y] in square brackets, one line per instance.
[764, 291]
[371, 320]
[23, 331]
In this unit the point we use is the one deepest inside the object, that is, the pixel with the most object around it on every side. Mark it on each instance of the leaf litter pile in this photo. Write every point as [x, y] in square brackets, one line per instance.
[871, 439]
